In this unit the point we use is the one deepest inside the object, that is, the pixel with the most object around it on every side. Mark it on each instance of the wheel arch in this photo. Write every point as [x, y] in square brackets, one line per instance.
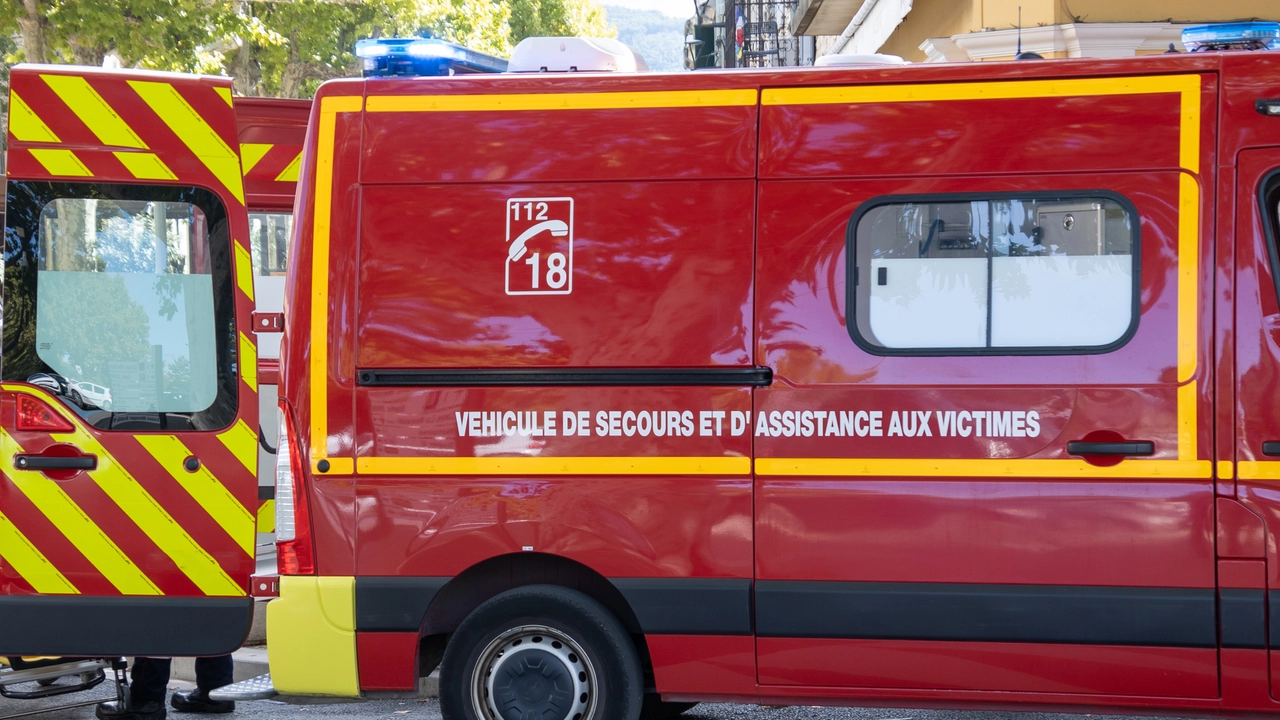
[493, 576]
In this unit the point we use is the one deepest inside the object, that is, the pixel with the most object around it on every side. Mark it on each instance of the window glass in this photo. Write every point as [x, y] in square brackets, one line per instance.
[994, 274]
[124, 304]
[269, 237]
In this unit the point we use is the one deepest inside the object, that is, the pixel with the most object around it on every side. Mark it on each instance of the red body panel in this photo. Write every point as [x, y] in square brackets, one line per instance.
[697, 247]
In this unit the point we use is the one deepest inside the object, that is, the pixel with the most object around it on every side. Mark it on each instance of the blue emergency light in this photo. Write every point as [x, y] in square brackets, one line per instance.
[1232, 36]
[417, 57]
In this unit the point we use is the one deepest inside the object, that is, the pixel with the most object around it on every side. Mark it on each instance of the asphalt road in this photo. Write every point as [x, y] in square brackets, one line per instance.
[430, 710]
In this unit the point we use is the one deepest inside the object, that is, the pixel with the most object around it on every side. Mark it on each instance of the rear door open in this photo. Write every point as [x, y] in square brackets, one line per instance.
[128, 390]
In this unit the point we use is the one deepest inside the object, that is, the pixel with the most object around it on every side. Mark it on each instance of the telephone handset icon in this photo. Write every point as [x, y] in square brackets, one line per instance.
[557, 228]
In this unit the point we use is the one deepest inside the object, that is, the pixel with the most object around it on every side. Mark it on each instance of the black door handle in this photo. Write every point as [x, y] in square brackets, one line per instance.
[1271, 448]
[1142, 447]
[48, 462]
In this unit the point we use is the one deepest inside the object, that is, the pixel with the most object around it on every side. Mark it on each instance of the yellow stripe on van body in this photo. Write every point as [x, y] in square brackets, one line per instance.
[201, 139]
[563, 101]
[101, 119]
[251, 153]
[60, 162]
[1258, 469]
[25, 124]
[145, 166]
[244, 270]
[319, 329]
[225, 94]
[980, 468]
[204, 488]
[1188, 87]
[544, 465]
[79, 529]
[290, 171]
[154, 521]
[31, 564]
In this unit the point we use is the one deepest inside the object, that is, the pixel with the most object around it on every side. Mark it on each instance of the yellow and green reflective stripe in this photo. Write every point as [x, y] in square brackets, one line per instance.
[87, 537]
[101, 119]
[194, 132]
[203, 487]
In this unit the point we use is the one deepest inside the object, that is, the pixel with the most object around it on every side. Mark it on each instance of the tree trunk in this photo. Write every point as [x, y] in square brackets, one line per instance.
[32, 24]
[87, 54]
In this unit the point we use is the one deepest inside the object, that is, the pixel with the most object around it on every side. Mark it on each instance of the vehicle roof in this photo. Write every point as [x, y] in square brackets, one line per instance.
[801, 76]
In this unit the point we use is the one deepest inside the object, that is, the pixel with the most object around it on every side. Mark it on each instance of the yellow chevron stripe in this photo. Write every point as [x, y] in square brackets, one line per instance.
[267, 517]
[290, 172]
[51, 500]
[242, 441]
[30, 563]
[61, 162]
[251, 153]
[105, 123]
[25, 124]
[194, 132]
[225, 93]
[249, 362]
[244, 270]
[154, 520]
[145, 166]
[204, 488]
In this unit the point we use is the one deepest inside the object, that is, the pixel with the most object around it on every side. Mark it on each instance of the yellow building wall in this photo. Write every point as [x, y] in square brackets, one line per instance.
[933, 18]
[944, 18]
[1166, 10]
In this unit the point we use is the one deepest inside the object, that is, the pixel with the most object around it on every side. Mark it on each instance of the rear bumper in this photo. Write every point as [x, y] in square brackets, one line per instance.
[311, 630]
[116, 626]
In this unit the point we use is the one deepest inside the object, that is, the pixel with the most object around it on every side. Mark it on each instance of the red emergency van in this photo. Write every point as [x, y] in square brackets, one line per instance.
[935, 386]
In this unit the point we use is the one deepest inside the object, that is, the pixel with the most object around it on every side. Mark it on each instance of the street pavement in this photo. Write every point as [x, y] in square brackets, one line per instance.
[409, 708]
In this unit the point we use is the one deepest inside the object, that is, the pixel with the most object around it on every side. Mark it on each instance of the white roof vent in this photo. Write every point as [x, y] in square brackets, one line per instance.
[859, 60]
[574, 54]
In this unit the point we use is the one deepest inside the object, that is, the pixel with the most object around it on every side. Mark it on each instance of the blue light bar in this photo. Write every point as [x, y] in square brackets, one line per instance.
[418, 57]
[1232, 36]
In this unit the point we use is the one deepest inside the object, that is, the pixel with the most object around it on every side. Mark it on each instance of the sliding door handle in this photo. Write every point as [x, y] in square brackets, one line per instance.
[1271, 448]
[1141, 447]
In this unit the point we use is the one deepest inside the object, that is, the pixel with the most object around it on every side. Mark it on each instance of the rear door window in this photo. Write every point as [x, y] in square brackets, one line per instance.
[132, 321]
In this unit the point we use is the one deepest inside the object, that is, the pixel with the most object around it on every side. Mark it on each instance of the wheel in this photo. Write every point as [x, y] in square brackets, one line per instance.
[75, 398]
[655, 709]
[540, 651]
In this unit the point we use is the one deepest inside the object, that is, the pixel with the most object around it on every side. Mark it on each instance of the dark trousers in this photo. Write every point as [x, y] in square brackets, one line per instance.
[149, 678]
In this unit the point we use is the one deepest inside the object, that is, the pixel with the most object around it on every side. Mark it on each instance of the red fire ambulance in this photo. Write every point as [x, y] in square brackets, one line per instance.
[936, 386]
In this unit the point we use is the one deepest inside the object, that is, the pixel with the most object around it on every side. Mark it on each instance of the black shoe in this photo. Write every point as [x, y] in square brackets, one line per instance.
[198, 701]
[111, 710]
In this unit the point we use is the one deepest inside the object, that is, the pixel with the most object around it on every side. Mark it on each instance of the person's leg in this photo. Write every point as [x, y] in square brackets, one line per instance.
[211, 674]
[148, 681]
[214, 672]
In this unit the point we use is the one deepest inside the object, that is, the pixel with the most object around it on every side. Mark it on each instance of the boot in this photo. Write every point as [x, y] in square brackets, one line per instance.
[111, 710]
[198, 701]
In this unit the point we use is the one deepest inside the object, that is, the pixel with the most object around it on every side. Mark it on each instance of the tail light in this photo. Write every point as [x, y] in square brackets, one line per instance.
[295, 552]
[34, 414]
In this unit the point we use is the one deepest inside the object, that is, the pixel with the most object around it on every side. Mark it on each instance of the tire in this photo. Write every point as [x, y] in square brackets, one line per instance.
[655, 709]
[540, 651]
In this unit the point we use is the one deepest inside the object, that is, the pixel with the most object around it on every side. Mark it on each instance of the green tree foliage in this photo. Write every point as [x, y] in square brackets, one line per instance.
[284, 48]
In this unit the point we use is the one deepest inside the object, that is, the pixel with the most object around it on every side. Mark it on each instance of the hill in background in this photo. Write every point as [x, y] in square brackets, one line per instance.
[658, 38]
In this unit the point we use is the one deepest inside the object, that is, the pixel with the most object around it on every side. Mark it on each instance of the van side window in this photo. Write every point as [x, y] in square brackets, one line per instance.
[998, 275]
